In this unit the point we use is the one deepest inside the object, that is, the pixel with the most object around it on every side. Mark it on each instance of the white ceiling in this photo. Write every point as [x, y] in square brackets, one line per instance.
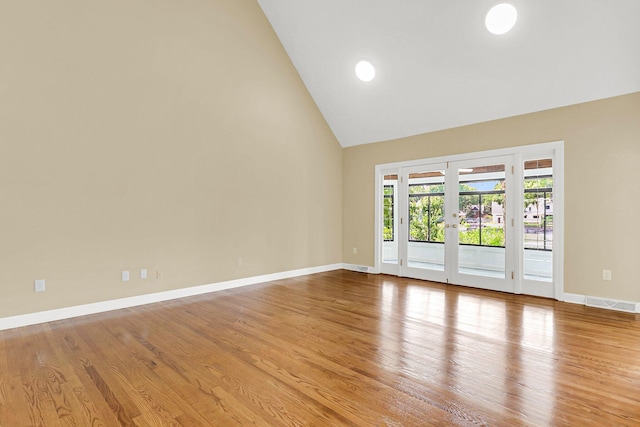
[437, 67]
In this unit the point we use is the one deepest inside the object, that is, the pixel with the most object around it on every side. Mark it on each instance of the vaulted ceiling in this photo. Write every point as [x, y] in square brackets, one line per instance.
[438, 67]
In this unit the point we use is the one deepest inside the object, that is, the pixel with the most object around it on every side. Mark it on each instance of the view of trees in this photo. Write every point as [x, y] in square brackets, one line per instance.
[426, 212]
[490, 236]
[478, 226]
[389, 199]
[538, 195]
[535, 183]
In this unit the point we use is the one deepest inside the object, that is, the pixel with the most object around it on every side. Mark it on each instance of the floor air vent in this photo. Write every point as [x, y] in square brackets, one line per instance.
[629, 307]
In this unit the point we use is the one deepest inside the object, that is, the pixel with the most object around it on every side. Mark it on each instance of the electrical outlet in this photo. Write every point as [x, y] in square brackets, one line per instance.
[143, 273]
[606, 274]
[159, 274]
[38, 285]
[125, 276]
[355, 250]
[239, 261]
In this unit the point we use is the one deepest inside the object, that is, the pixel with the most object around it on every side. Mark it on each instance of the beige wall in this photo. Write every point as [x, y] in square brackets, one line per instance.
[602, 203]
[166, 135]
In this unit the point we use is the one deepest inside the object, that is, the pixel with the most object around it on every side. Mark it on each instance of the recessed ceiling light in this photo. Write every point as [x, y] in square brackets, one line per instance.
[365, 71]
[501, 18]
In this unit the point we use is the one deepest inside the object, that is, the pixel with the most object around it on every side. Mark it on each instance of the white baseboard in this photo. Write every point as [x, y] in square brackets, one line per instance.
[101, 307]
[574, 298]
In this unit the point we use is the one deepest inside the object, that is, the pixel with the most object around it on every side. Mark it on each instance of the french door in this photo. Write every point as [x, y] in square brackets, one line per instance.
[422, 234]
[482, 223]
[492, 220]
[451, 222]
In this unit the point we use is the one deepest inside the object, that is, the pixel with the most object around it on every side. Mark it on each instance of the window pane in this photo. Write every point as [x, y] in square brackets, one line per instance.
[389, 202]
[426, 212]
[389, 215]
[481, 230]
[425, 248]
[538, 219]
[481, 205]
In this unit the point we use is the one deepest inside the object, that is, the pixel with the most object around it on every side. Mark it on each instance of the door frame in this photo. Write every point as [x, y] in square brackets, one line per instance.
[554, 150]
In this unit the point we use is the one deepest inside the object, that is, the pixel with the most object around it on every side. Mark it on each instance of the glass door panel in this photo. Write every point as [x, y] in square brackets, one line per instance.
[481, 200]
[389, 230]
[426, 220]
[389, 220]
[537, 227]
[423, 223]
[480, 230]
[538, 220]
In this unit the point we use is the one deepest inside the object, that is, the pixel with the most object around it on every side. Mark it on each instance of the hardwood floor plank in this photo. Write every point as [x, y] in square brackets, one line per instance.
[325, 347]
[189, 376]
[218, 361]
[334, 370]
[330, 349]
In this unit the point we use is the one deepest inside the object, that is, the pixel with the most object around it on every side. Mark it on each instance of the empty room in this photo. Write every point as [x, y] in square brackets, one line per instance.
[319, 213]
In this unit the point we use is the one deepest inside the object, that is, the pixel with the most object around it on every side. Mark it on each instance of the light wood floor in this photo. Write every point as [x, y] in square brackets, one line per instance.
[338, 348]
